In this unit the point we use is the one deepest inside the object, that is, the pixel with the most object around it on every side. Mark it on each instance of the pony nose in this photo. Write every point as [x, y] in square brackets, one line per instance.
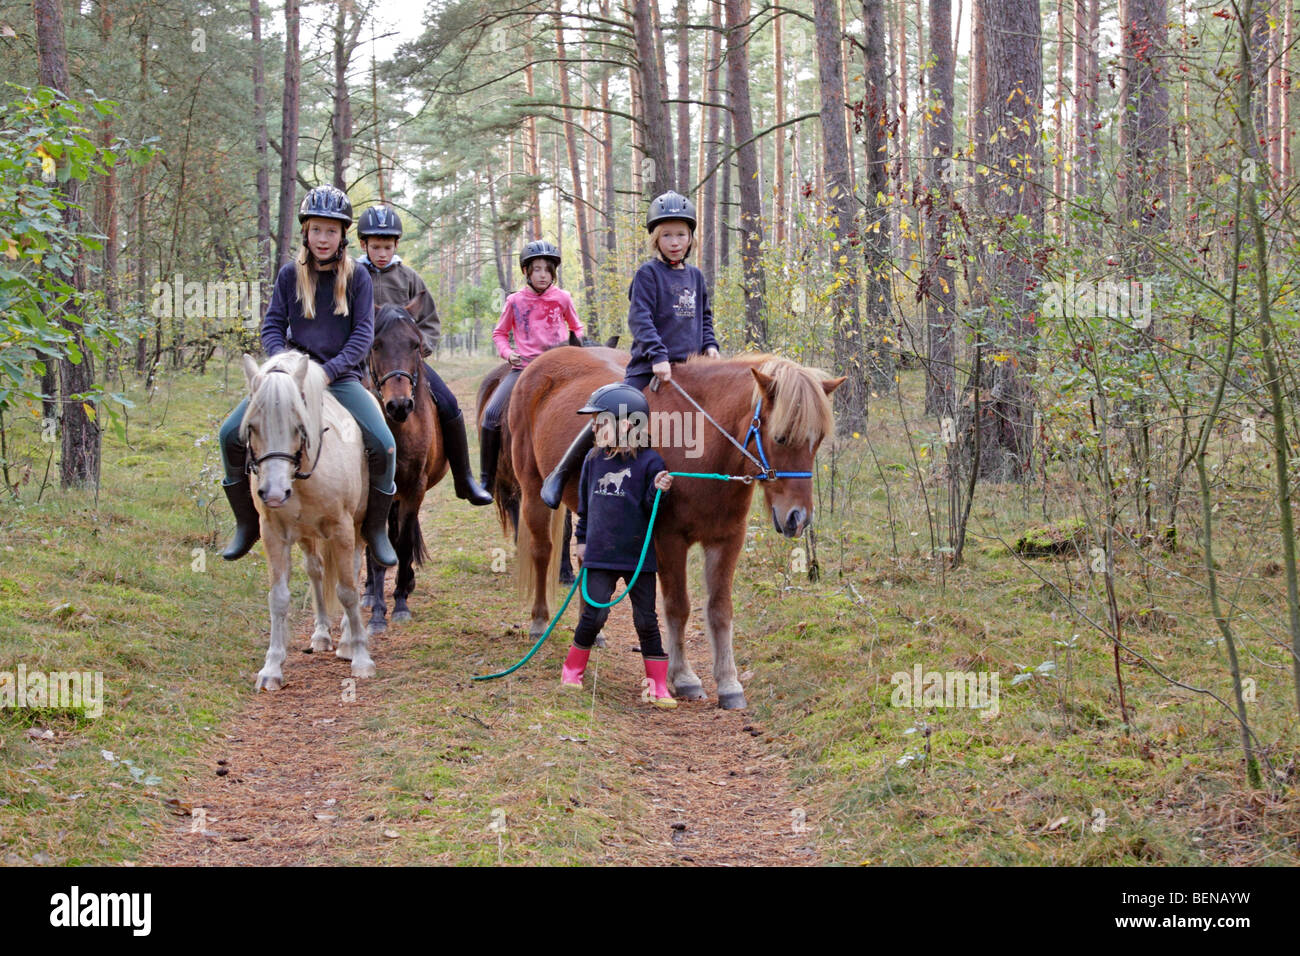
[794, 522]
[261, 493]
[399, 408]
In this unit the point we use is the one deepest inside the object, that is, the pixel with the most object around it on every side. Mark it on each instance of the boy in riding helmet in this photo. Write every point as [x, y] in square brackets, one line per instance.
[397, 284]
[540, 315]
[669, 316]
[322, 305]
[616, 494]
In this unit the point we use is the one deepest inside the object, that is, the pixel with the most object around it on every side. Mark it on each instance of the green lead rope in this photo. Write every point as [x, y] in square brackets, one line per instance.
[582, 577]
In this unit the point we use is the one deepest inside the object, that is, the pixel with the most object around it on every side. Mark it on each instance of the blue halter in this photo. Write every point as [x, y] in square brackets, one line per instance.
[767, 473]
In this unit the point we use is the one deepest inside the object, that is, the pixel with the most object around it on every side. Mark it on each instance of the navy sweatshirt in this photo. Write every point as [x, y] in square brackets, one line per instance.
[615, 497]
[669, 316]
[340, 343]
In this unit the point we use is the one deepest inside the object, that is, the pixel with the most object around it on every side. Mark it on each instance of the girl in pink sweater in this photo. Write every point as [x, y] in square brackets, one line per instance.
[540, 315]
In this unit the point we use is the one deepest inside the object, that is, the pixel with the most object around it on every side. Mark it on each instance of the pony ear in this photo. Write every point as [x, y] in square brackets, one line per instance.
[829, 385]
[250, 370]
[765, 382]
[300, 373]
[413, 307]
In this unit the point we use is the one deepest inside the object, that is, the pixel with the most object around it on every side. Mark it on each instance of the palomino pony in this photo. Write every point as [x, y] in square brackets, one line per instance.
[397, 370]
[506, 497]
[793, 419]
[309, 481]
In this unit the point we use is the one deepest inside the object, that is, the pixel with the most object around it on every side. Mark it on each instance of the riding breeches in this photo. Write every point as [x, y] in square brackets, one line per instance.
[500, 400]
[381, 450]
[448, 408]
[600, 585]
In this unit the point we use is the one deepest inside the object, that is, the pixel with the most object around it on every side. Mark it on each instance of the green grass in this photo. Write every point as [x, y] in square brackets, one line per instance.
[110, 586]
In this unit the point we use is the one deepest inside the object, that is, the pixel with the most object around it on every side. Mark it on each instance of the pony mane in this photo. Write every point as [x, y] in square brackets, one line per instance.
[388, 315]
[278, 394]
[800, 409]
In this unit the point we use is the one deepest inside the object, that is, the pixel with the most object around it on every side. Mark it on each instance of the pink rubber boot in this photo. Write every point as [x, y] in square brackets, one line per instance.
[574, 665]
[656, 672]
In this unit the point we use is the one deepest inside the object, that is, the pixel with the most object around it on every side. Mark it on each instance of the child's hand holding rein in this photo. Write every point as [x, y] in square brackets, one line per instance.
[664, 480]
[662, 371]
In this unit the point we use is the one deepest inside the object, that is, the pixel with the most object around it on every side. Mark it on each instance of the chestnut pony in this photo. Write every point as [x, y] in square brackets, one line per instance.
[795, 418]
[397, 373]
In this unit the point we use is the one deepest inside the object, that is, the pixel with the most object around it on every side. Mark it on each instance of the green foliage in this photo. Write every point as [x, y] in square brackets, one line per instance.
[43, 145]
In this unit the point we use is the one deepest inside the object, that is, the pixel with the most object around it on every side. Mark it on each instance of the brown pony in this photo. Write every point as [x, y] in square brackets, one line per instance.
[796, 417]
[397, 371]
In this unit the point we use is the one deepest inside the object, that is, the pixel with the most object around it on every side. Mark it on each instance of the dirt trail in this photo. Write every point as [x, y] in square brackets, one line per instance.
[282, 786]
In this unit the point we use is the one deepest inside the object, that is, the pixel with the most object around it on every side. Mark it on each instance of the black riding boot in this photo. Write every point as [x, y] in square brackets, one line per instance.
[248, 526]
[457, 452]
[489, 440]
[553, 486]
[375, 527]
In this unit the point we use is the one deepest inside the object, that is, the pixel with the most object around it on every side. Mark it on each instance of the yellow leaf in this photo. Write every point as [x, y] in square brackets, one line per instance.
[48, 167]
[11, 249]
[89, 410]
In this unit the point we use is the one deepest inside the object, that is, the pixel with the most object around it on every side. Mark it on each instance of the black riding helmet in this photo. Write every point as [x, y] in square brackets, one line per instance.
[670, 205]
[379, 221]
[539, 249]
[617, 399]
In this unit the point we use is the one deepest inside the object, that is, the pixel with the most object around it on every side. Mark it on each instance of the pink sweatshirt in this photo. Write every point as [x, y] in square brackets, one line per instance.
[538, 321]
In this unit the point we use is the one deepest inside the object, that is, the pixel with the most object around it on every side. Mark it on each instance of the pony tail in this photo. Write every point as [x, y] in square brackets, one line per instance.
[342, 279]
[306, 284]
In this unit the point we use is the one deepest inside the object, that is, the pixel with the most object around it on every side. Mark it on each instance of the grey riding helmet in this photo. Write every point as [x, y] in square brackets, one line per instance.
[670, 205]
[539, 249]
[326, 202]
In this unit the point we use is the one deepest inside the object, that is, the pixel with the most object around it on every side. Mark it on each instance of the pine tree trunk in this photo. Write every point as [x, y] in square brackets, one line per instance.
[683, 94]
[751, 202]
[712, 230]
[575, 171]
[78, 428]
[941, 287]
[876, 235]
[265, 266]
[341, 122]
[657, 130]
[847, 328]
[778, 167]
[288, 136]
[1015, 95]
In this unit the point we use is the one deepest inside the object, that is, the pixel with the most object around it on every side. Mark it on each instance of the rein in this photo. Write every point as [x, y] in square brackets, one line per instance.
[765, 470]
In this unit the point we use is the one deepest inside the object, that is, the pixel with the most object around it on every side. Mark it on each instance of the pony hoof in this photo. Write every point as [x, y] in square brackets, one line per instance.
[344, 652]
[732, 701]
[363, 670]
[600, 639]
[376, 627]
[689, 692]
[401, 617]
[269, 683]
[566, 577]
[320, 645]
